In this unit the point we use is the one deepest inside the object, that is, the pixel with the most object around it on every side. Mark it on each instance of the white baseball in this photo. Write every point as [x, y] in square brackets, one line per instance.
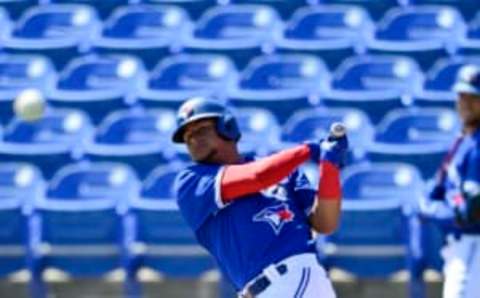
[29, 105]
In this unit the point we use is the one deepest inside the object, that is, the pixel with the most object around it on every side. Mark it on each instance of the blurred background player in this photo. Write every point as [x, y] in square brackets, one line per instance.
[458, 185]
[256, 216]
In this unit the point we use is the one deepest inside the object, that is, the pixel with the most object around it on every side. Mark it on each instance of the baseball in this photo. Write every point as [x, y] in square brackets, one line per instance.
[29, 105]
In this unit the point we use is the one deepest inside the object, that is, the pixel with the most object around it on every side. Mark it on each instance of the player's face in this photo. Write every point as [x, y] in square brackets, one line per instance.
[468, 106]
[202, 140]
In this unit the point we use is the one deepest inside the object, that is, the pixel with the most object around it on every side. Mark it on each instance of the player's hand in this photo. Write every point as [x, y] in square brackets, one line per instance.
[334, 150]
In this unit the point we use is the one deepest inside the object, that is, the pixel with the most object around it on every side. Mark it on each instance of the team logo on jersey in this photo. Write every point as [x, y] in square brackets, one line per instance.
[277, 192]
[276, 216]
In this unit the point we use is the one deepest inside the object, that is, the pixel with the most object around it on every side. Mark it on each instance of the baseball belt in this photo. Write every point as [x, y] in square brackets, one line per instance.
[261, 283]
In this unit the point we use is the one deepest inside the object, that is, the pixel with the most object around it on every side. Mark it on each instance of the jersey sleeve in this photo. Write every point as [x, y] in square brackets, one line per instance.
[304, 191]
[198, 194]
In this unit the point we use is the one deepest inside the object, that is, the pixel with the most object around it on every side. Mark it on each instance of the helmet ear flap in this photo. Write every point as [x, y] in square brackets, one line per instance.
[227, 127]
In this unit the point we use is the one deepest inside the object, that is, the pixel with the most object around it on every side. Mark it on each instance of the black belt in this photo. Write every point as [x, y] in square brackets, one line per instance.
[262, 282]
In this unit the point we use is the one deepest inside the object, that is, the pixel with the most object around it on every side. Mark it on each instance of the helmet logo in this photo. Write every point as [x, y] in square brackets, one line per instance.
[186, 110]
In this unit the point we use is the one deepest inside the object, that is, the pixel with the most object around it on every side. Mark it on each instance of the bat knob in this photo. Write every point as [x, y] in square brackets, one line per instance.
[338, 130]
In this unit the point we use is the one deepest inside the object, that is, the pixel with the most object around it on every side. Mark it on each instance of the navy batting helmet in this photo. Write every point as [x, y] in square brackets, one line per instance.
[201, 108]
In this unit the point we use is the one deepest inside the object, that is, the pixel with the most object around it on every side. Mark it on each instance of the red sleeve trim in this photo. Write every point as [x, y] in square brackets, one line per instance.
[252, 177]
[329, 186]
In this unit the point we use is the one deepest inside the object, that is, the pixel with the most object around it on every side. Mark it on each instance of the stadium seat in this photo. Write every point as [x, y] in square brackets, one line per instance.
[284, 8]
[425, 33]
[48, 143]
[195, 8]
[468, 8]
[179, 77]
[5, 21]
[376, 8]
[103, 7]
[57, 31]
[260, 131]
[372, 239]
[437, 88]
[150, 32]
[280, 83]
[471, 43]
[96, 84]
[417, 136]
[374, 84]
[159, 237]
[238, 31]
[314, 124]
[16, 8]
[79, 228]
[18, 72]
[138, 138]
[20, 185]
[332, 32]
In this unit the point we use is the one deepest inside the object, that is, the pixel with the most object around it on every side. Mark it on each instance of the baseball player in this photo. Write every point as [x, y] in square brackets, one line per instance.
[255, 216]
[458, 189]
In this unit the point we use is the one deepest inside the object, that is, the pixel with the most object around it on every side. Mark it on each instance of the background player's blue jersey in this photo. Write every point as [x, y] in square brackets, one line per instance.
[250, 233]
[463, 175]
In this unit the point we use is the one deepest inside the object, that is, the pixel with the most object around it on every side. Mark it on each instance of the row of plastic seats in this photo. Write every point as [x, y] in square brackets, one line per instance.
[195, 8]
[281, 84]
[91, 218]
[241, 32]
[141, 138]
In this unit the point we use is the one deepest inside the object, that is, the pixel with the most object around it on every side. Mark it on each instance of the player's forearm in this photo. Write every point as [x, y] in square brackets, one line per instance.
[325, 216]
[326, 211]
[252, 177]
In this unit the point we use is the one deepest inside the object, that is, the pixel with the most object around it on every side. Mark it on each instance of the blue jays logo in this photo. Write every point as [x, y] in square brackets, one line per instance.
[186, 110]
[276, 216]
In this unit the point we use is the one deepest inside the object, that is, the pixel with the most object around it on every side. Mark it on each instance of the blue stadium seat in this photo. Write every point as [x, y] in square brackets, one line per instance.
[238, 31]
[468, 8]
[97, 85]
[376, 8]
[425, 33]
[471, 43]
[5, 21]
[16, 8]
[57, 31]
[90, 181]
[284, 8]
[437, 88]
[332, 32]
[147, 31]
[195, 8]
[280, 83]
[417, 136]
[159, 237]
[79, 228]
[179, 77]
[260, 131]
[103, 7]
[18, 72]
[48, 143]
[20, 185]
[374, 84]
[138, 138]
[314, 124]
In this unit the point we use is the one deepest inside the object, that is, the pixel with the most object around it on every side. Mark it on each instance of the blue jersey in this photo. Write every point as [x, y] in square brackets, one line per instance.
[463, 174]
[252, 232]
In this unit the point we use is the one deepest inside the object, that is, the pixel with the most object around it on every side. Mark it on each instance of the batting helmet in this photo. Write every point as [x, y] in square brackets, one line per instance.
[201, 108]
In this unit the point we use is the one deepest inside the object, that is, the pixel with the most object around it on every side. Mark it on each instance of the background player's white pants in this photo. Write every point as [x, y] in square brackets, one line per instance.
[305, 278]
[462, 267]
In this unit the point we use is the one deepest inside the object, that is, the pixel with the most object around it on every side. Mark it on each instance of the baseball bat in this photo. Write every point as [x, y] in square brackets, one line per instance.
[337, 130]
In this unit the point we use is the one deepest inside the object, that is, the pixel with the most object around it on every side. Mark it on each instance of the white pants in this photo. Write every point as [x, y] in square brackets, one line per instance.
[462, 267]
[305, 278]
